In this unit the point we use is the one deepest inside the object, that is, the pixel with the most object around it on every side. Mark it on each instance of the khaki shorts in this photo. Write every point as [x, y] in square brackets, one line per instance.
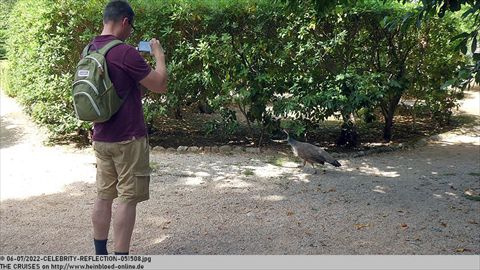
[123, 170]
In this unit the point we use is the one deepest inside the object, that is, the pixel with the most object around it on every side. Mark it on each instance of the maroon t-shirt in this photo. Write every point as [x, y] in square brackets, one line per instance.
[126, 67]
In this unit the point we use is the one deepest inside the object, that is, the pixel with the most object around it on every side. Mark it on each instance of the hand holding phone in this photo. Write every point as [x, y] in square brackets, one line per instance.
[144, 46]
[153, 47]
[157, 49]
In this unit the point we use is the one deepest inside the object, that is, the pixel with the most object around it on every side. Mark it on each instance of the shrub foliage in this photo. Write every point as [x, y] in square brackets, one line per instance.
[261, 58]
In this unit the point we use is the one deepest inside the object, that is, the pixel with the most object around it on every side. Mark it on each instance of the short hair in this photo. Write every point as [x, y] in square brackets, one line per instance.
[117, 10]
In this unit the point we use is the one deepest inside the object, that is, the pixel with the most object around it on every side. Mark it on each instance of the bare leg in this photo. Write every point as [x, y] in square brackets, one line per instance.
[123, 226]
[101, 217]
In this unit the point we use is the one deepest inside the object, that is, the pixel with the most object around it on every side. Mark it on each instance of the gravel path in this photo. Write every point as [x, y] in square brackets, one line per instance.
[404, 202]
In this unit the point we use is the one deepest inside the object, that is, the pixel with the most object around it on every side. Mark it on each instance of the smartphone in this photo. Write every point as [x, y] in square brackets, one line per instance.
[144, 46]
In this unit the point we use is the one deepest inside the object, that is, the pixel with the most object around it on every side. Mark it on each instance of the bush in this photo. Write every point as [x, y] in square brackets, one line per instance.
[3, 74]
[5, 7]
[270, 62]
[45, 38]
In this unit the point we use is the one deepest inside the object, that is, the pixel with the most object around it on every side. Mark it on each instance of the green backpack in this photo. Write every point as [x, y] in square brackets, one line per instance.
[94, 97]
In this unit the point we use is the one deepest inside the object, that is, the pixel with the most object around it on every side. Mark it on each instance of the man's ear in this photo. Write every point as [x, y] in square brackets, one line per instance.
[125, 22]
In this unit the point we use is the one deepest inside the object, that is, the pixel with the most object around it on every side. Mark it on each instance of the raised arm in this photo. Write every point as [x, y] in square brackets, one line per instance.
[156, 80]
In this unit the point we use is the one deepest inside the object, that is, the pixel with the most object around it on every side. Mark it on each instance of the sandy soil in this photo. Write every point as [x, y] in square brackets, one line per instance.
[404, 202]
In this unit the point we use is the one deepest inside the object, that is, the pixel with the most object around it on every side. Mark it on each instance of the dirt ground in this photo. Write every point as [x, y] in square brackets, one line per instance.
[403, 202]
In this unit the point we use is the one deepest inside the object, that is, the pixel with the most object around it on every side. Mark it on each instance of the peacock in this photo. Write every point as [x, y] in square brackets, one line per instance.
[311, 153]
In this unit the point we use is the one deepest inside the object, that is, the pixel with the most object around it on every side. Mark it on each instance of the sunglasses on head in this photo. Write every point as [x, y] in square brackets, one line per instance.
[131, 24]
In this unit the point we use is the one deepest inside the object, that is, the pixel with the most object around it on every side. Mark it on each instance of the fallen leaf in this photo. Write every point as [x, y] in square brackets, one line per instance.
[460, 250]
[443, 224]
[330, 190]
[471, 192]
[472, 195]
[361, 226]
[290, 213]
[404, 226]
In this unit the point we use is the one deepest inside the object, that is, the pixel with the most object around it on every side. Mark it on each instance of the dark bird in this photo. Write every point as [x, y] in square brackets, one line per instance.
[311, 153]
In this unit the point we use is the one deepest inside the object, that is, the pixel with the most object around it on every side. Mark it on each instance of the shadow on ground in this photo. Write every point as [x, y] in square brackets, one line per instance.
[407, 202]
[10, 133]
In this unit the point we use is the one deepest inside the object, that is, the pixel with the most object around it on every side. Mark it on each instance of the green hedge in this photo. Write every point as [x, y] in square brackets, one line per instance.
[269, 61]
[44, 42]
[5, 7]
[45, 38]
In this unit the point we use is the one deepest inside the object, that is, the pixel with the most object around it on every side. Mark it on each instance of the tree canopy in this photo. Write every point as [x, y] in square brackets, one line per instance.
[287, 63]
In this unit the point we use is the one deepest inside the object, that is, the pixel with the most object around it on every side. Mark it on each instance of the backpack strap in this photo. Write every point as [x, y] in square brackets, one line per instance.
[103, 50]
[109, 45]
[86, 49]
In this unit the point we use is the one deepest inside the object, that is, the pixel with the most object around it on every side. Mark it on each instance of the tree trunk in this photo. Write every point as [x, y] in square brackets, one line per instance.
[414, 114]
[243, 110]
[260, 141]
[178, 113]
[203, 107]
[388, 114]
[387, 129]
[349, 135]
[388, 110]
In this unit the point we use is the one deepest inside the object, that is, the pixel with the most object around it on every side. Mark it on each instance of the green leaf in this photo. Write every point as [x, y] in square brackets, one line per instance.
[395, 84]
[474, 44]
[462, 35]
[464, 74]
[463, 47]
[468, 12]
[419, 20]
[447, 84]
[476, 57]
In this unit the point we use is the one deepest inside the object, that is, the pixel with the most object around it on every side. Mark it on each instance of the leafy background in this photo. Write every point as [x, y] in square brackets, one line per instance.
[273, 64]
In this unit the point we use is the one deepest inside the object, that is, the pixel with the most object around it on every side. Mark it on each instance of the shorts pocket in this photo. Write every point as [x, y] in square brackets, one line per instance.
[142, 184]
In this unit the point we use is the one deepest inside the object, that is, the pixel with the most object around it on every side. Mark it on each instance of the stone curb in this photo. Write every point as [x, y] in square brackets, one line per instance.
[209, 149]
[228, 149]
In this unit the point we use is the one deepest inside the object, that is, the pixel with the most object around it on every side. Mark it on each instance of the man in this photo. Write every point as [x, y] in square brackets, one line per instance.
[121, 144]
